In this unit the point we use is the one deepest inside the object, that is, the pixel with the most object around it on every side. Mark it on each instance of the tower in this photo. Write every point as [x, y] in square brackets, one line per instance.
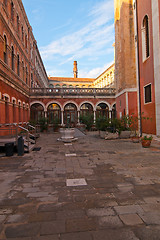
[75, 70]
[125, 58]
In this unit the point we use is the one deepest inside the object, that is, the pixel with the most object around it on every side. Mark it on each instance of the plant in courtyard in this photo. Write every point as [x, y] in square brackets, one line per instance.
[102, 123]
[55, 122]
[88, 120]
[43, 122]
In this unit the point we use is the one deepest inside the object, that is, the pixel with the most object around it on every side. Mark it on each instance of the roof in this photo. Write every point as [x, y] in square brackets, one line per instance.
[65, 79]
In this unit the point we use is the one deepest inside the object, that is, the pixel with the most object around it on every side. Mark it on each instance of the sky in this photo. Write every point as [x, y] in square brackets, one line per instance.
[73, 30]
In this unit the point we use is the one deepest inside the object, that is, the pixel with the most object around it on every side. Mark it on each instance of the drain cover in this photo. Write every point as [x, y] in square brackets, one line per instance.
[76, 182]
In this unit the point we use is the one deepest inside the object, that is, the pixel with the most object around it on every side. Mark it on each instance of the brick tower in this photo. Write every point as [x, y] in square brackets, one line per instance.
[125, 63]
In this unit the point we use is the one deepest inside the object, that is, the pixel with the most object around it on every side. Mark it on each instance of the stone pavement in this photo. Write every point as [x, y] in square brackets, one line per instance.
[91, 189]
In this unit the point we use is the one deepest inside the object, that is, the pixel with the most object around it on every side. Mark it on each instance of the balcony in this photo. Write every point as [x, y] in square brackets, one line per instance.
[75, 92]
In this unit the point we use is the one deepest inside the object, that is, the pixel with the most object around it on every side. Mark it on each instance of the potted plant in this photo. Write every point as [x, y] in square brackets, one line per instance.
[124, 127]
[88, 120]
[55, 122]
[146, 141]
[101, 124]
[43, 122]
[134, 126]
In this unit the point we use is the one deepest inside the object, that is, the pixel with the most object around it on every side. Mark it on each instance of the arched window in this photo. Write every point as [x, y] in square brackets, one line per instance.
[18, 64]
[12, 58]
[5, 49]
[26, 41]
[12, 11]
[17, 23]
[22, 34]
[145, 38]
[26, 75]
[23, 70]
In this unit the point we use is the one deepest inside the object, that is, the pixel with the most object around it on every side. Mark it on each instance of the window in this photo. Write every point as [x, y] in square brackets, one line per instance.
[5, 49]
[26, 41]
[145, 38]
[17, 23]
[12, 11]
[147, 94]
[12, 58]
[23, 70]
[22, 34]
[18, 65]
[26, 75]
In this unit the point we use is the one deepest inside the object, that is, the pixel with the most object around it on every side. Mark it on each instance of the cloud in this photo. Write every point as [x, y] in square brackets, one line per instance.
[87, 41]
[95, 72]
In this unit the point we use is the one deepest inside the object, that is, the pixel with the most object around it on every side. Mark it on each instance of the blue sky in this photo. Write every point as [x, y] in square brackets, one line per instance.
[73, 30]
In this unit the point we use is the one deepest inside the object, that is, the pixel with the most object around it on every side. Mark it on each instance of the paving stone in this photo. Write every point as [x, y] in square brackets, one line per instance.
[109, 222]
[128, 209]
[152, 199]
[109, 234]
[80, 225]
[49, 237]
[131, 219]
[66, 214]
[53, 227]
[16, 218]
[42, 217]
[24, 230]
[99, 212]
[5, 211]
[77, 236]
[151, 218]
[2, 217]
[147, 233]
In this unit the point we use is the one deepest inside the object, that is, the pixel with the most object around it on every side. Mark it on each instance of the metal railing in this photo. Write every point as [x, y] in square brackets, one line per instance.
[72, 91]
[14, 130]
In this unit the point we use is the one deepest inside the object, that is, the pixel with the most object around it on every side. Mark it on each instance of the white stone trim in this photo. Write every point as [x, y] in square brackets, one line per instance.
[14, 99]
[126, 90]
[39, 103]
[6, 95]
[54, 102]
[156, 55]
[88, 103]
[109, 106]
[72, 103]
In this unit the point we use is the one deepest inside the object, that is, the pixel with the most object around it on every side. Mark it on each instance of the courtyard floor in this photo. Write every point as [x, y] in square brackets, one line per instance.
[92, 189]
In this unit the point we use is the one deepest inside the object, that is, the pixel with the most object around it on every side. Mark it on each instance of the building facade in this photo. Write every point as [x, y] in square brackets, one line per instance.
[125, 59]
[148, 62]
[21, 66]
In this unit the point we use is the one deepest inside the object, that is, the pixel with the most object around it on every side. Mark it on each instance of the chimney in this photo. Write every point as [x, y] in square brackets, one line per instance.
[75, 70]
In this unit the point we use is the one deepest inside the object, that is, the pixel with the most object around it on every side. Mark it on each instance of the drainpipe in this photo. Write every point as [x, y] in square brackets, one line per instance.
[138, 70]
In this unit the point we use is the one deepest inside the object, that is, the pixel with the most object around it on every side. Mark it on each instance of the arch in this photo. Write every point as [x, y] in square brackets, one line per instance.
[64, 86]
[57, 85]
[88, 103]
[70, 114]
[145, 38]
[105, 102]
[12, 58]
[5, 49]
[53, 102]
[5, 95]
[53, 112]
[19, 102]
[78, 109]
[14, 100]
[36, 111]
[51, 85]
[34, 102]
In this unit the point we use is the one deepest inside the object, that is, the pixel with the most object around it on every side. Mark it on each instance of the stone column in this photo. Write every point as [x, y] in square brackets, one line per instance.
[94, 113]
[110, 114]
[45, 114]
[78, 117]
[62, 114]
